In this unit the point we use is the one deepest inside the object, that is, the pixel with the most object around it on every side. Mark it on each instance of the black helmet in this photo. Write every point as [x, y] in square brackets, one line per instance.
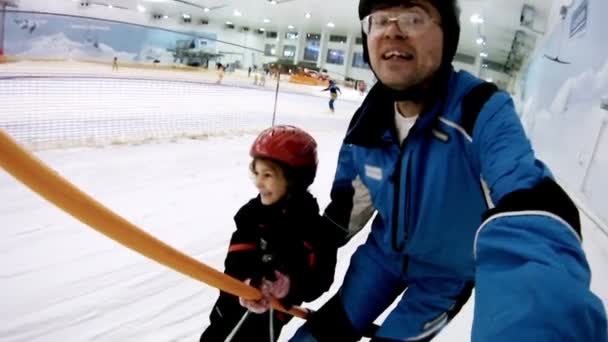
[450, 24]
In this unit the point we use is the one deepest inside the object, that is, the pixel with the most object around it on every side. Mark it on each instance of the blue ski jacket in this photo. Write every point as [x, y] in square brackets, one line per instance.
[464, 197]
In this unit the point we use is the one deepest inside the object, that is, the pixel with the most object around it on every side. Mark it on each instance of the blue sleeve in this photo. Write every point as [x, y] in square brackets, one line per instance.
[351, 205]
[532, 277]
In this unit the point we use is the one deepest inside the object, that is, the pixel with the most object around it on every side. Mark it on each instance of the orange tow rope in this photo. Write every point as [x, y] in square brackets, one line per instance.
[32, 172]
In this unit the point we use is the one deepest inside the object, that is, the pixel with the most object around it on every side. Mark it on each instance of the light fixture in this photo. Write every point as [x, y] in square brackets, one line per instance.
[206, 9]
[483, 55]
[479, 41]
[291, 27]
[476, 19]
[186, 16]
[229, 22]
[331, 25]
[266, 20]
[307, 15]
[262, 29]
[237, 13]
[141, 8]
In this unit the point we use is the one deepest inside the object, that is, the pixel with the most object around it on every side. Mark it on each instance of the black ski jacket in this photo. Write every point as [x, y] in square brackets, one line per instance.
[286, 237]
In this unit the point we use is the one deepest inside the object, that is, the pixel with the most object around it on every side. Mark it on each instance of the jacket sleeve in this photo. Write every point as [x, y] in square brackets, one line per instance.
[351, 205]
[243, 259]
[532, 277]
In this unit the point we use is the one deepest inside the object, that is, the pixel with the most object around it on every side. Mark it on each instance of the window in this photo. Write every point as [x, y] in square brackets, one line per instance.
[270, 50]
[358, 61]
[313, 36]
[271, 34]
[337, 39]
[313, 45]
[289, 51]
[335, 56]
[291, 35]
[359, 41]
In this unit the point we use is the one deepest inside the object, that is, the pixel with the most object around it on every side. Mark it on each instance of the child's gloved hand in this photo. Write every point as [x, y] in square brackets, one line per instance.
[257, 306]
[279, 288]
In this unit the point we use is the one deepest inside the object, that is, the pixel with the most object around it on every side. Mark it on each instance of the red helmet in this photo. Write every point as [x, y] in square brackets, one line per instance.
[288, 145]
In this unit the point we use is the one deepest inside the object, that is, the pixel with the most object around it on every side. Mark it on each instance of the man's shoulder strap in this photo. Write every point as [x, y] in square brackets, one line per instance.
[472, 103]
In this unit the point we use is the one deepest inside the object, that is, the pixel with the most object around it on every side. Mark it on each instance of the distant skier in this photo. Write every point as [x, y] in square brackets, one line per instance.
[115, 64]
[333, 93]
[221, 71]
[276, 243]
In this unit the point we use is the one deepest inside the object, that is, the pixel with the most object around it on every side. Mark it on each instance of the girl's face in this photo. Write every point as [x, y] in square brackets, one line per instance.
[268, 177]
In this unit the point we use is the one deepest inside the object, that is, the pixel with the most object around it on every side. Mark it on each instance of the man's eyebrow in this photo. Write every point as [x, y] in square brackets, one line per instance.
[408, 5]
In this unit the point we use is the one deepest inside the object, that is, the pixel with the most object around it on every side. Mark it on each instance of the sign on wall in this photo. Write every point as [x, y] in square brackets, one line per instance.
[578, 23]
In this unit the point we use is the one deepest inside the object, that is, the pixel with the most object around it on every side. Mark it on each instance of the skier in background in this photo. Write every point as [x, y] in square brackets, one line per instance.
[221, 71]
[277, 244]
[333, 93]
[115, 64]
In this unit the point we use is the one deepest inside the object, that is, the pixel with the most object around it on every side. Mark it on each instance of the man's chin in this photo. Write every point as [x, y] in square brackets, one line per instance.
[398, 85]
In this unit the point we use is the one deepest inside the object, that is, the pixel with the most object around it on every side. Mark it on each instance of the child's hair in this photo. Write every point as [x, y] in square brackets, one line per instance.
[292, 149]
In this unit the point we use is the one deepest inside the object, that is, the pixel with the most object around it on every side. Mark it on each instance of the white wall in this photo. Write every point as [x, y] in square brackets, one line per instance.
[562, 104]
[247, 47]
[465, 66]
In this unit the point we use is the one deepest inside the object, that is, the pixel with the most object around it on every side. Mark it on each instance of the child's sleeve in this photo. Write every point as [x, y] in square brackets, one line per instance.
[312, 267]
[242, 260]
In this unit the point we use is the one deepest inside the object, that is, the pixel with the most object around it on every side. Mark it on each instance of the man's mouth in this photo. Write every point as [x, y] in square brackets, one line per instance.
[394, 54]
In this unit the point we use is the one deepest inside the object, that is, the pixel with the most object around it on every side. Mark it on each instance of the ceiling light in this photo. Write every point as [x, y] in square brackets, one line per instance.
[237, 13]
[330, 24]
[479, 41]
[476, 19]
[141, 8]
[262, 29]
[291, 27]
[307, 15]
[206, 9]
[483, 54]
[186, 16]
[229, 22]
[266, 20]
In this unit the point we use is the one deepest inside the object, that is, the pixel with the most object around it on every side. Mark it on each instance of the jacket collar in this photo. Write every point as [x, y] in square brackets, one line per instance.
[373, 123]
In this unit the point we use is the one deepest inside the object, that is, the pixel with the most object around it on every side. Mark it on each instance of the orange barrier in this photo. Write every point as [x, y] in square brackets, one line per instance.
[47, 183]
[302, 79]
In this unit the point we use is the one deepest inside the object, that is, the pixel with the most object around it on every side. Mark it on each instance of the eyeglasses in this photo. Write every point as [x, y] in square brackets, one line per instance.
[412, 23]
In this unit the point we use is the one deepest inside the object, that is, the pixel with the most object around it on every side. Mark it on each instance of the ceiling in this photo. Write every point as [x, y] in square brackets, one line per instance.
[501, 17]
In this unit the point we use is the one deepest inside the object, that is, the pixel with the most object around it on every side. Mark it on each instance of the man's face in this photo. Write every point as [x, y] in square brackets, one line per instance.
[405, 44]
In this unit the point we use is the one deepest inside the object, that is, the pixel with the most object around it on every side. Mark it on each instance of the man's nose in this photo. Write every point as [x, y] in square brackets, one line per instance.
[393, 30]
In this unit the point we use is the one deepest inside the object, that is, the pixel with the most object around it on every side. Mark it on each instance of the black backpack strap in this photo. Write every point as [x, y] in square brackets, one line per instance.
[473, 102]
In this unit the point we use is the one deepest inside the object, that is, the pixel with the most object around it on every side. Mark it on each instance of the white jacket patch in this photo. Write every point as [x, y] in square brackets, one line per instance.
[373, 172]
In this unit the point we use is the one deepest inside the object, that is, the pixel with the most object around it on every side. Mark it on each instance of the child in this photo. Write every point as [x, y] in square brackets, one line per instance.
[333, 90]
[277, 246]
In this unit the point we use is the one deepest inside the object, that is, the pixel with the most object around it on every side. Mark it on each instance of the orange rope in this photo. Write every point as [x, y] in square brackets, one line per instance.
[32, 172]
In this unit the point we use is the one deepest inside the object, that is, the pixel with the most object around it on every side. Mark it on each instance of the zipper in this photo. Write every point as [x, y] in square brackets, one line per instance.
[398, 247]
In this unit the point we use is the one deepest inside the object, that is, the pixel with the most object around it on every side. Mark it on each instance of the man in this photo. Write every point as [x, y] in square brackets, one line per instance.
[432, 168]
